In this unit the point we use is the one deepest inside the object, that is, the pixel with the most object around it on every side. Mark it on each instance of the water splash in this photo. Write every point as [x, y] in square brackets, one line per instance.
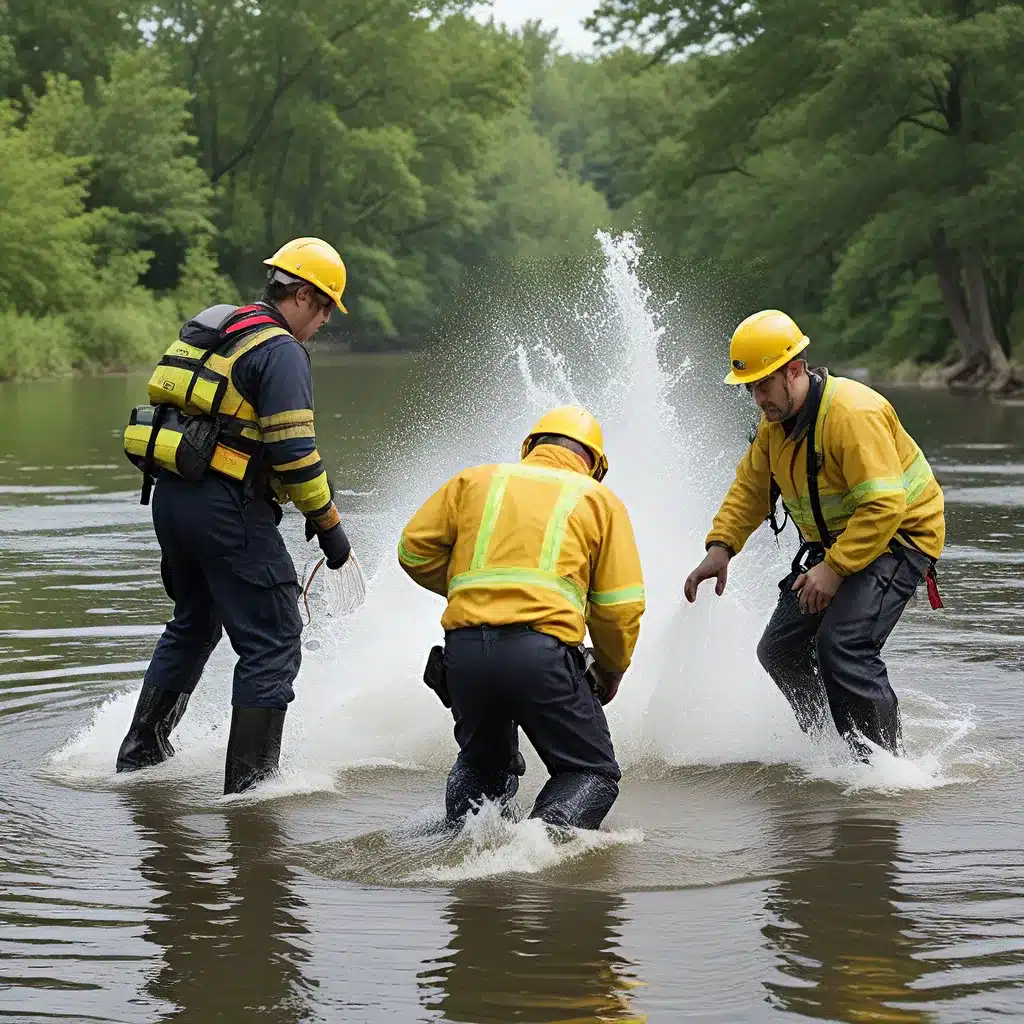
[695, 694]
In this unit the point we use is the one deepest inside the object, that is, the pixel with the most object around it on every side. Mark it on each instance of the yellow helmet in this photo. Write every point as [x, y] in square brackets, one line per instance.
[314, 261]
[575, 422]
[763, 343]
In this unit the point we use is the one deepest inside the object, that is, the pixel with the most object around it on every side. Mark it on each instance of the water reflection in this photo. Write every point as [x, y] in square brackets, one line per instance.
[532, 954]
[227, 917]
[844, 946]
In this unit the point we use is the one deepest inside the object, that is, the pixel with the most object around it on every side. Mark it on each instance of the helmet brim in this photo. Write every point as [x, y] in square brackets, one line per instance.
[753, 376]
[309, 280]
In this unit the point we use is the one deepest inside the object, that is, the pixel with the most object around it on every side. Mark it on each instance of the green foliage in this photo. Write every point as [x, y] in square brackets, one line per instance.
[133, 138]
[858, 163]
[74, 39]
[846, 159]
[32, 346]
[142, 179]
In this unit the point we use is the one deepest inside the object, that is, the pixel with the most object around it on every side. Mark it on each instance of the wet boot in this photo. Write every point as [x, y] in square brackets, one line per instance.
[148, 743]
[254, 747]
[467, 789]
[575, 800]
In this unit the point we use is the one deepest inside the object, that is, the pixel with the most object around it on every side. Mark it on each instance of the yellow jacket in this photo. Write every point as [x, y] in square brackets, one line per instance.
[536, 542]
[874, 480]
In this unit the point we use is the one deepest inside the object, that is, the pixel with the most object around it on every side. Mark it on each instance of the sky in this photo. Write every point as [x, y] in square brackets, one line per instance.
[565, 15]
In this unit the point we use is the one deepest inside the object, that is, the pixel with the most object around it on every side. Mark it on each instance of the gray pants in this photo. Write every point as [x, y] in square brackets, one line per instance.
[832, 662]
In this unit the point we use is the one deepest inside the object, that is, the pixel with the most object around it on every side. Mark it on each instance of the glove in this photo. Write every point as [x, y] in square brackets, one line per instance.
[311, 530]
[335, 546]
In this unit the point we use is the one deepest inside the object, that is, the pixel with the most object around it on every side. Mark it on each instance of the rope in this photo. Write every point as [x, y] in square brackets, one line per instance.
[305, 589]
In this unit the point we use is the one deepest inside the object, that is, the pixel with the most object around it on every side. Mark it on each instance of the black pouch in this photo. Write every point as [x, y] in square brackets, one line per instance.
[196, 447]
[435, 677]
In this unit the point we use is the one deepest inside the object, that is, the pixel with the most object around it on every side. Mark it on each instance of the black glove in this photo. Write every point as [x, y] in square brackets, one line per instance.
[311, 530]
[335, 546]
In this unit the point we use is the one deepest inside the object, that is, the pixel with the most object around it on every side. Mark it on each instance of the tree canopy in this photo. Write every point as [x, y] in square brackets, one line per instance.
[859, 163]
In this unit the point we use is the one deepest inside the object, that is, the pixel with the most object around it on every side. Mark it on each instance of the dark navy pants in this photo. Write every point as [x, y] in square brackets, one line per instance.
[225, 565]
[508, 677]
[832, 663]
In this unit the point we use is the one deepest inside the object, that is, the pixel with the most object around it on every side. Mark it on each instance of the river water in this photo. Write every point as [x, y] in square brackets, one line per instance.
[746, 873]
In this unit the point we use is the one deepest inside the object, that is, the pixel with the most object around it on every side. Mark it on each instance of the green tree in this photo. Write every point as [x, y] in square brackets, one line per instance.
[884, 138]
[142, 168]
[75, 39]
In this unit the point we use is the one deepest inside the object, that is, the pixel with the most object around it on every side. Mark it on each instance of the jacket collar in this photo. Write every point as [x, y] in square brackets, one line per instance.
[811, 405]
[554, 456]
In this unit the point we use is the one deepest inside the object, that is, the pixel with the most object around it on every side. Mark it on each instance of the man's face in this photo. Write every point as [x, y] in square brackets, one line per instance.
[312, 311]
[774, 395]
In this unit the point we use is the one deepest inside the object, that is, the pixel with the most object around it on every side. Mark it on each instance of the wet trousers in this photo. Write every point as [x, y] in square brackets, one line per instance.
[226, 567]
[831, 663]
[501, 679]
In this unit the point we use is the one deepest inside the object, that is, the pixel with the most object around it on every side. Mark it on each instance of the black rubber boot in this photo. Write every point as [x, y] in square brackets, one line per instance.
[467, 789]
[575, 800]
[254, 747]
[148, 743]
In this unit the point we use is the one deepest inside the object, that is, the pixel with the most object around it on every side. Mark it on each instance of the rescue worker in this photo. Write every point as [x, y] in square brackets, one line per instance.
[870, 516]
[230, 434]
[529, 556]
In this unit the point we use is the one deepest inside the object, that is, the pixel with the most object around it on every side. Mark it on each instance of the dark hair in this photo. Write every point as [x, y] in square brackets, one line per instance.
[564, 442]
[275, 292]
[281, 286]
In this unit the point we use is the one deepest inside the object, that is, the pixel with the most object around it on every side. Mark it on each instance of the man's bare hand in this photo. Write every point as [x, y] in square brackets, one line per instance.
[715, 565]
[817, 587]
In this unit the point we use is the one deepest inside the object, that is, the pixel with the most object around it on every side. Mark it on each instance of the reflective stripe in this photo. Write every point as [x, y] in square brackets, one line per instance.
[311, 495]
[307, 460]
[408, 557]
[287, 419]
[284, 433]
[838, 508]
[544, 575]
[917, 477]
[492, 507]
[572, 491]
[624, 595]
[510, 577]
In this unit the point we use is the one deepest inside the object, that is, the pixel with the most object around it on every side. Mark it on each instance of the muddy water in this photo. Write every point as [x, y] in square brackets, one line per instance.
[745, 873]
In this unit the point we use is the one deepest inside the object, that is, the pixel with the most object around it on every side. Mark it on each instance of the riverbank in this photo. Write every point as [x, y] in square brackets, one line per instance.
[20, 370]
[927, 376]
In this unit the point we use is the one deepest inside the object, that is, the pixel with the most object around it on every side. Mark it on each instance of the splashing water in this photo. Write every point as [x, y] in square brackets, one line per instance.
[695, 693]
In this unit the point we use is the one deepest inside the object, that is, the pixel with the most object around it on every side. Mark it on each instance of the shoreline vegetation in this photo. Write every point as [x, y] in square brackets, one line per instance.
[150, 159]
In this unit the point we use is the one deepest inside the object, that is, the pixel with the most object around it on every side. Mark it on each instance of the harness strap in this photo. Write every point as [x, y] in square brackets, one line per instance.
[148, 467]
[774, 493]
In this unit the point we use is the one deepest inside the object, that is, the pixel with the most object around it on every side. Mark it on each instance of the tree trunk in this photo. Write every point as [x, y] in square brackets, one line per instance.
[948, 270]
[999, 377]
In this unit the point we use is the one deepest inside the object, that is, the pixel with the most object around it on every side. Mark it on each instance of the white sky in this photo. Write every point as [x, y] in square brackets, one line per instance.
[565, 15]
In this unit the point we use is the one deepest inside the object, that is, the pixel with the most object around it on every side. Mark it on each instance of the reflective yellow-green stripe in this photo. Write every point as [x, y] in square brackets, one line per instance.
[624, 595]
[917, 477]
[492, 508]
[511, 577]
[838, 508]
[310, 495]
[408, 557]
[568, 498]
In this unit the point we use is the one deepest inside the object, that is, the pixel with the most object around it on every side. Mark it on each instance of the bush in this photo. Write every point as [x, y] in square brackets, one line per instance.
[34, 346]
[123, 336]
